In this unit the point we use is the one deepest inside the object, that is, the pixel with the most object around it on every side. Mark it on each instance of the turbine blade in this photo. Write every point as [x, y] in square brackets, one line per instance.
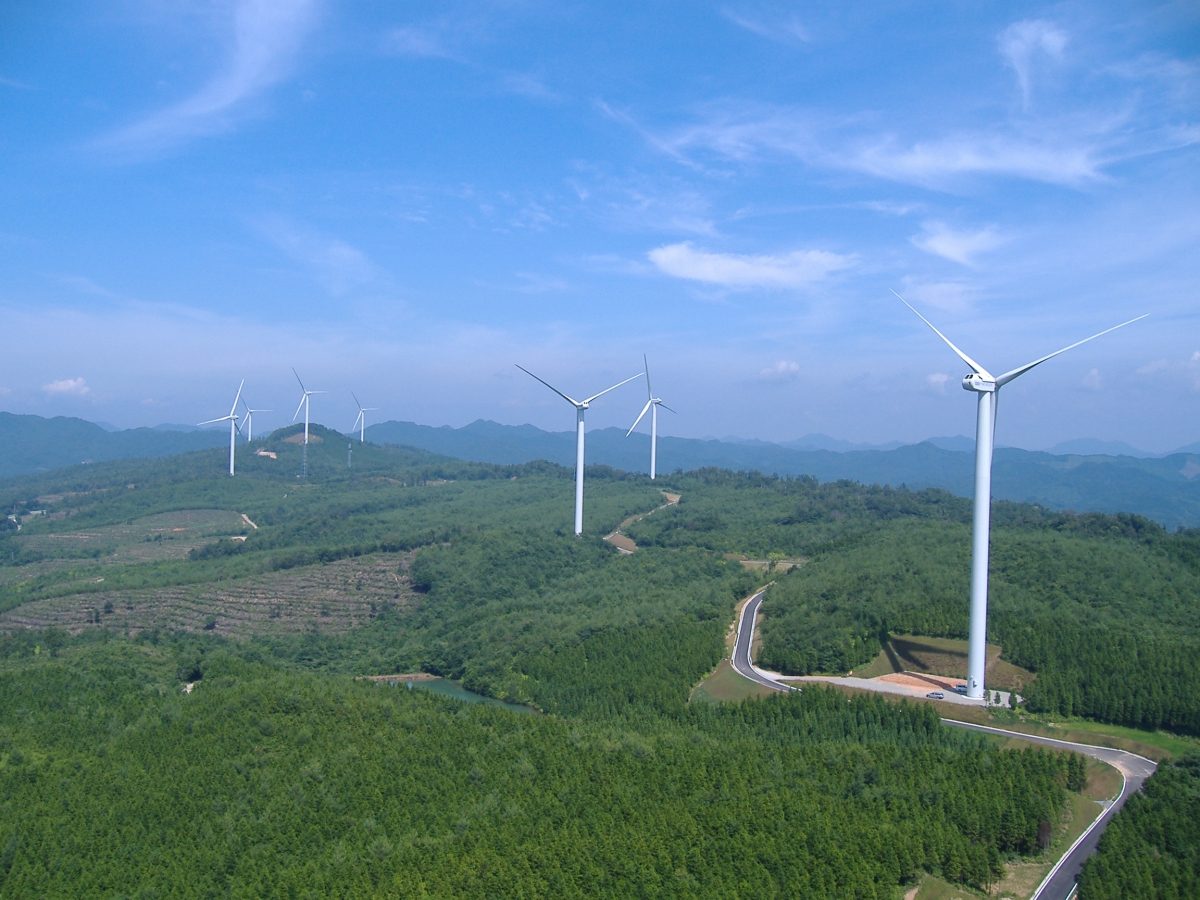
[667, 408]
[356, 403]
[970, 362]
[613, 388]
[233, 408]
[1009, 376]
[645, 409]
[297, 374]
[300, 407]
[570, 400]
[214, 421]
[646, 363]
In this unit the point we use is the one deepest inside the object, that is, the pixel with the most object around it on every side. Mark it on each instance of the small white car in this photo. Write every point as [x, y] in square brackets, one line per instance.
[935, 695]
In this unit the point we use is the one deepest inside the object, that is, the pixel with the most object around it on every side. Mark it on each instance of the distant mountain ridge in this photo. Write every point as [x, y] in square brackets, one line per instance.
[32, 443]
[1164, 489]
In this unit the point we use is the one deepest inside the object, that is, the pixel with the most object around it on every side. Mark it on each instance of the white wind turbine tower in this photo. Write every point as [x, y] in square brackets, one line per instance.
[652, 404]
[987, 386]
[304, 404]
[361, 422]
[250, 420]
[232, 420]
[581, 406]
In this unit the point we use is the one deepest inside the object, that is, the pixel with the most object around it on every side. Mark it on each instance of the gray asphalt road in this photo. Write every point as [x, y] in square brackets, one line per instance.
[1136, 770]
[745, 639]
[1061, 883]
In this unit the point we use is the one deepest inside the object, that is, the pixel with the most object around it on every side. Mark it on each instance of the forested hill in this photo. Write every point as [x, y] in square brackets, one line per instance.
[1165, 489]
[177, 717]
[32, 443]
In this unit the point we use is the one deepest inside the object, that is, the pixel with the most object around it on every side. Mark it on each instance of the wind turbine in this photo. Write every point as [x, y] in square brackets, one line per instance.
[987, 386]
[361, 422]
[581, 406]
[232, 420]
[250, 420]
[304, 403]
[652, 404]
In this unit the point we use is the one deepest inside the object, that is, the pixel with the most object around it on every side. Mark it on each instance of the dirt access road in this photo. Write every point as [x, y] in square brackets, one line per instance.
[623, 543]
[1059, 884]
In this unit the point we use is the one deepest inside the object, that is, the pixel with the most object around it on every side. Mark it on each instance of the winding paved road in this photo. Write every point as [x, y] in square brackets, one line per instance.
[1060, 882]
[745, 640]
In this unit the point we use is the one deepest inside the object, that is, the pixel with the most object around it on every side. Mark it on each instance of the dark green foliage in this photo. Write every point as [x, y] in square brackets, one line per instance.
[279, 776]
[270, 784]
[1151, 850]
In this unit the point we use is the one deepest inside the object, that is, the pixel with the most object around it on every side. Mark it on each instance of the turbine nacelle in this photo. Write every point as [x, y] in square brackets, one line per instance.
[976, 382]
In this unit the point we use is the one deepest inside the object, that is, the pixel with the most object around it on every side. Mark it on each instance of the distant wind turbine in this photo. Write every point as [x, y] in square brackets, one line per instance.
[250, 420]
[304, 405]
[581, 406]
[652, 404]
[232, 420]
[361, 422]
[987, 386]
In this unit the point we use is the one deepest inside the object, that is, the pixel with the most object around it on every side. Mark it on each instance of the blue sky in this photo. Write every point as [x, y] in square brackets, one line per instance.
[405, 200]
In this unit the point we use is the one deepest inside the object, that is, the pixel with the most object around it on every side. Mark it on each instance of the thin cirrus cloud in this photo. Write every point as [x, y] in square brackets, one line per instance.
[786, 29]
[1024, 43]
[798, 269]
[1071, 143]
[741, 134]
[67, 387]
[958, 246]
[784, 370]
[340, 267]
[266, 36]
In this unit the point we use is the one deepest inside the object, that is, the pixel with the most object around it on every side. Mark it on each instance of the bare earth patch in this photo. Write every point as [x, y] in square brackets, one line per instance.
[334, 597]
[626, 544]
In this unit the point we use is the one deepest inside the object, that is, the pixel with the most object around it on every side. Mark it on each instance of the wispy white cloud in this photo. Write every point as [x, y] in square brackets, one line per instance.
[784, 370]
[13, 83]
[798, 269]
[1073, 161]
[638, 203]
[535, 283]
[953, 296]
[419, 41]
[780, 27]
[340, 267]
[959, 246]
[265, 36]
[936, 382]
[1023, 43]
[68, 387]
[1093, 381]
[525, 85]
[85, 286]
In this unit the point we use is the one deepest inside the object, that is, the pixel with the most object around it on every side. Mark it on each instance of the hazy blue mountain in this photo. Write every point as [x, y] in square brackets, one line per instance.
[825, 442]
[171, 426]
[1190, 448]
[1164, 489]
[1094, 447]
[32, 443]
[958, 443]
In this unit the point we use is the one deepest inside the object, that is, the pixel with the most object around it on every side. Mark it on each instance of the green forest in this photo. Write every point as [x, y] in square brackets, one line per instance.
[283, 774]
[1152, 849]
[1106, 609]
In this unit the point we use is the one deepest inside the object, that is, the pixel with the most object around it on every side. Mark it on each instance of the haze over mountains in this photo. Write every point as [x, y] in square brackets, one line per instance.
[1163, 489]
[1082, 475]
